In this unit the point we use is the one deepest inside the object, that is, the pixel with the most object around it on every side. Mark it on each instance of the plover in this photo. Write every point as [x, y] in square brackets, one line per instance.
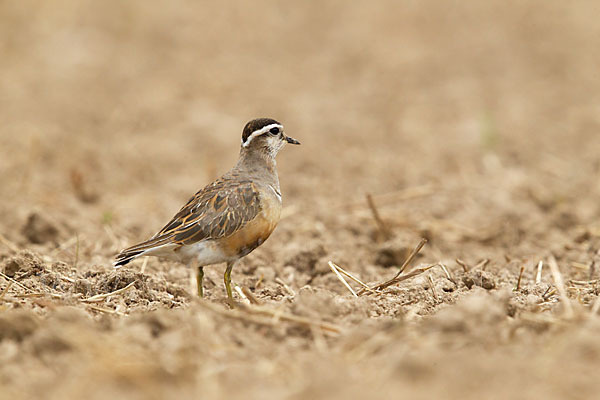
[230, 217]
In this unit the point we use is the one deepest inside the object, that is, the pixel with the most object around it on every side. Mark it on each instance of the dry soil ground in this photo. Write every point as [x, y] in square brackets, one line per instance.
[474, 124]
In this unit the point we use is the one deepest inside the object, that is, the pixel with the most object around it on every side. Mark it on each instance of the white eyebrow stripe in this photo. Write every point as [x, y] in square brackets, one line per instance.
[259, 132]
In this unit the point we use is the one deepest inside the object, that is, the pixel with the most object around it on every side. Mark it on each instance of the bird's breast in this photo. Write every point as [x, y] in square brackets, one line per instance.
[255, 232]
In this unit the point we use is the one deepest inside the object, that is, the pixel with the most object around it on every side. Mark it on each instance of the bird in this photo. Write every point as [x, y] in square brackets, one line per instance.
[230, 217]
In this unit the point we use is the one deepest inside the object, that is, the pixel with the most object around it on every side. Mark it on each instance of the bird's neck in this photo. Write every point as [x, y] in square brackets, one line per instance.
[258, 164]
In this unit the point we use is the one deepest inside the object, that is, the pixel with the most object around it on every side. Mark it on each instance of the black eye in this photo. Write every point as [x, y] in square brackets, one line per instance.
[274, 131]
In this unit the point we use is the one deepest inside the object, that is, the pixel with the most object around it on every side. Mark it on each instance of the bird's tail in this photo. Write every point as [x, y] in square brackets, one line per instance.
[149, 247]
[125, 256]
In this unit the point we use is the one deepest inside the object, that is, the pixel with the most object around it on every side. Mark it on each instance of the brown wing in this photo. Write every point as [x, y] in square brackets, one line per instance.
[218, 210]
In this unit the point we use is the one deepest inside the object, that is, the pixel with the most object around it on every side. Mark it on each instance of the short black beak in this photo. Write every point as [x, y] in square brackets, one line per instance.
[291, 140]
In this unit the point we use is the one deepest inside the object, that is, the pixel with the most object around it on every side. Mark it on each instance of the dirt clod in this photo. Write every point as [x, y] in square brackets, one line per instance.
[26, 262]
[479, 278]
[306, 258]
[391, 255]
[83, 286]
[119, 279]
[39, 229]
[17, 325]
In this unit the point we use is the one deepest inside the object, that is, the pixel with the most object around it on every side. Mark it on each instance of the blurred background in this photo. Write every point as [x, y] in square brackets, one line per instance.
[472, 123]
[146, 102]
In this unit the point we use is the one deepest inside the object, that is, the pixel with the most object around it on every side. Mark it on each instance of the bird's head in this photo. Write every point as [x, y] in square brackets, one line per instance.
[265, 135]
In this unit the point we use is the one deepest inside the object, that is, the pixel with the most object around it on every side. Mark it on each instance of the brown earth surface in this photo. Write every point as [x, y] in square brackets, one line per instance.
[473, 124]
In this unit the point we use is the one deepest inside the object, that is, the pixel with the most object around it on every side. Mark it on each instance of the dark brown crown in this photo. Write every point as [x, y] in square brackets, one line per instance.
[255, 125]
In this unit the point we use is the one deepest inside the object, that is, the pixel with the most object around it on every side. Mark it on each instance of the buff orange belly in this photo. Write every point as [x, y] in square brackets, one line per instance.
[254, 233]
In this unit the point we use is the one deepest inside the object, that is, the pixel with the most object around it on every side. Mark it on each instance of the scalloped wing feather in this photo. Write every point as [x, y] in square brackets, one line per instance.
[219, 210]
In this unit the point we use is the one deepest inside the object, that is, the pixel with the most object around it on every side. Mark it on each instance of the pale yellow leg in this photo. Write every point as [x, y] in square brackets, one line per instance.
[199, 279]
[227, 279]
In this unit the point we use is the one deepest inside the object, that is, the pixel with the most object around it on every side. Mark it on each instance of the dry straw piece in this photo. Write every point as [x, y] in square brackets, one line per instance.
[385, 231]
[538, 276]
[251, 298]
[240, 292]
[99, 297]
[334, 266]
[462, 264]
[560, 285]
[518, 287]
[482, 264]
[433, 293]
[19, 284]
[338, 271]
[447, 273]
[341, 278]
[285, 286]
[10, 283]
[398, 278]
